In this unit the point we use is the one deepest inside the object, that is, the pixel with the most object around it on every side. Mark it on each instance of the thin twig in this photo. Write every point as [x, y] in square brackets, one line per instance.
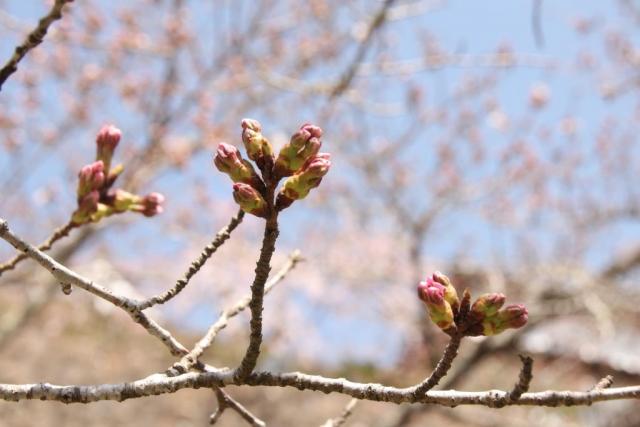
[32, 40]
[604, 383]
[221, 237]
[443, 366]
[376, 23]
[346, 413]
[65, 276]
[189, 360]
[58, 234]
[226, 401]
[524, 379]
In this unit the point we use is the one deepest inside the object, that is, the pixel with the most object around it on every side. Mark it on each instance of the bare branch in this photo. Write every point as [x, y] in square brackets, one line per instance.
[58, 234]
[443, 366]
[65, 276]
[376, 23]
[524, 378]
[263, 267]
[226, 401]
[161, 384]
[338, 421]
[189, 360]
[604, 383]
[34, 38]
[221, 237]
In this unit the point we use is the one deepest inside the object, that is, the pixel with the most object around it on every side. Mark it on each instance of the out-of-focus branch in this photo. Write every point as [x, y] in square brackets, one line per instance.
[65, 276]
[376, 23]
[221, 237]
[34, 38]
[225, 401]
[346, 413]
[189, 360]
[58, 234]
[622, 265]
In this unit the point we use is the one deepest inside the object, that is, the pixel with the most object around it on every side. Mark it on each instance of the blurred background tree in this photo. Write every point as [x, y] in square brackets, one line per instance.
[495, 141]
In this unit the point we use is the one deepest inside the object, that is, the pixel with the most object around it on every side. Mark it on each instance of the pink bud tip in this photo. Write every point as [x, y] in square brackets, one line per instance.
[313, 130]
[109, 135]
[251, 124]
[431, 292]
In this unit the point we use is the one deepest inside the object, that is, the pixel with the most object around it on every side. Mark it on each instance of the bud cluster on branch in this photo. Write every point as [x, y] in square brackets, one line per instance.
[454, 316]
[96, 197]
[299, 161]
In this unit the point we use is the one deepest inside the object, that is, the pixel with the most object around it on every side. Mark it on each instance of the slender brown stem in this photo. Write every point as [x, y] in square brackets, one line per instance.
[34, 38]
[58, 234]
[263, 267]
[221, 237]
[443, 366]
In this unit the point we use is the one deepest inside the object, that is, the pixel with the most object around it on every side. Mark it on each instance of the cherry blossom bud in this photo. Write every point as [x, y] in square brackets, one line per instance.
[298, 186]
[249, 199]
[258, 147]
[152, 204]
[450, 292]
[107, 140]
[487, 305]
[303, 145]
[90, 178]
[229, 160]
[512, 316]
[433, 295]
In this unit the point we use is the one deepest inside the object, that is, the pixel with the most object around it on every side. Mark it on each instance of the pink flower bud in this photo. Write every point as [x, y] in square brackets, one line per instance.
[249, 199]
[450, 294]
[91, 177]
[515, 315]
[152, 204]
[512, 316]
[303, 144]
[229, 160]
[487, 305]
[298, 186]
[258, 147]
[433, 295]
[107, 140]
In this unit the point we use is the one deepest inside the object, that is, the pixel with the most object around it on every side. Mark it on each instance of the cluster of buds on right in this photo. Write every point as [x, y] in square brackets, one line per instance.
[96, 198]
[299, 161]
[454, 316]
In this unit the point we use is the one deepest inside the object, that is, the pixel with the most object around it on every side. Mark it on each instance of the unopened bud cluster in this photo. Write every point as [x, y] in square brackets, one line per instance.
[96, 197]
[486, 316]
[299, 161]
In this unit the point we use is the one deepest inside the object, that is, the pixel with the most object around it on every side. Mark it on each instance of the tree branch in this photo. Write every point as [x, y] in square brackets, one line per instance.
[189, 360]
[34, 38]
[158, 384]
[58, 234]
[443, 366]
[65, 276]
[226, 401]
[263, 267]
[221, 237]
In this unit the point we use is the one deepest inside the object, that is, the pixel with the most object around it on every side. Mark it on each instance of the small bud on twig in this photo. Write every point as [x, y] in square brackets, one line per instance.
[106, 141]
[249, 199]
[303, 145]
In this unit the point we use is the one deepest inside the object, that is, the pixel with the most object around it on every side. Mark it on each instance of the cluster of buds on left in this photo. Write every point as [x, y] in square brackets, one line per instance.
[299, 160]
[96, 197]
[458, 316]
